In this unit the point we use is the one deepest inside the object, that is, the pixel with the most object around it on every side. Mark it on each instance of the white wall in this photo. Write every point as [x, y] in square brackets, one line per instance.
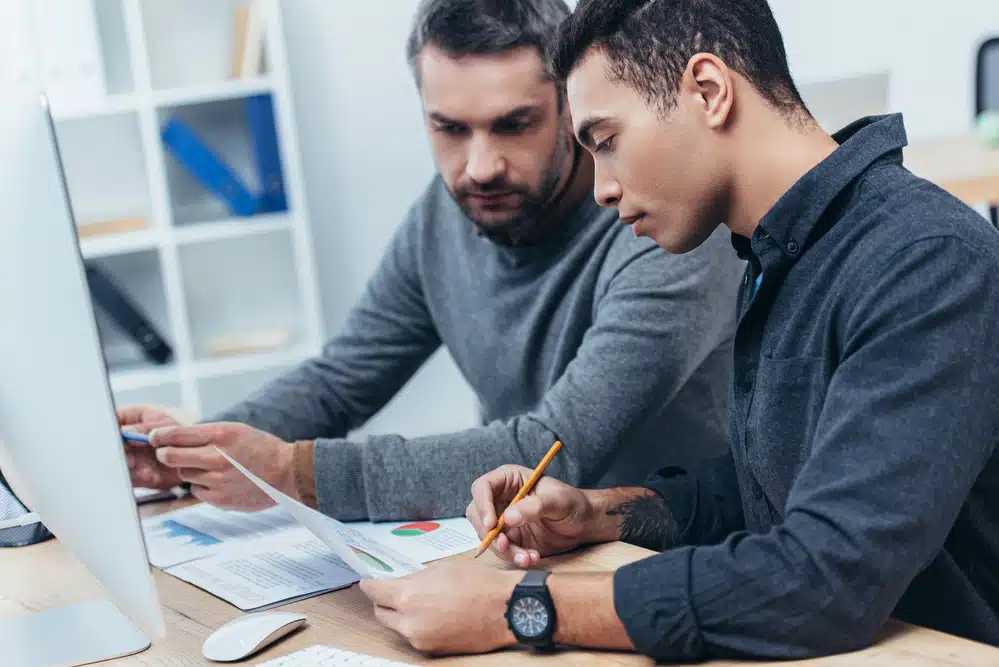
[927, 47]
[366, 156]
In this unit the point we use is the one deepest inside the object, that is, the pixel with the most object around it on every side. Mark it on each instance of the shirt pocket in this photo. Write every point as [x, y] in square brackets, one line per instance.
[782, 419]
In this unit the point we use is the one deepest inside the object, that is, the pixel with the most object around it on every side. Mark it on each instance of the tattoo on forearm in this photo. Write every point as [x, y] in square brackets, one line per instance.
[647, 522]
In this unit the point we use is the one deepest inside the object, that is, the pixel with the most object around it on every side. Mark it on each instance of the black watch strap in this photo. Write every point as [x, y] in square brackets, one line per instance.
[534, 584]
[534, 579]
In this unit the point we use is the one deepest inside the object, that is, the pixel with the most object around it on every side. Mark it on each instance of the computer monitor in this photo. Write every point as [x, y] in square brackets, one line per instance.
[61, 446]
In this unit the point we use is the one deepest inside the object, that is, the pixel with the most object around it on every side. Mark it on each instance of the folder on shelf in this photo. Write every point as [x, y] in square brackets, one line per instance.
[90, 230]
[248, 41]
[263, 136]
[120, 309]
[208, 167]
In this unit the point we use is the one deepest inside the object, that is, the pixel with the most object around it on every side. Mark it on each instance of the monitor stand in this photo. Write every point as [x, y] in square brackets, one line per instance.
[78, 634]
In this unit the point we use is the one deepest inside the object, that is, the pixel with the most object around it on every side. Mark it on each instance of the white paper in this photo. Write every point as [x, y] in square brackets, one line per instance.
[202, 530]
[256, 560]
[422, 541]
[363, 555]
[289, 567]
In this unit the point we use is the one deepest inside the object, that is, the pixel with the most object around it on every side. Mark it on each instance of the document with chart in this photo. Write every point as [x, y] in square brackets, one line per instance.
[259, 560]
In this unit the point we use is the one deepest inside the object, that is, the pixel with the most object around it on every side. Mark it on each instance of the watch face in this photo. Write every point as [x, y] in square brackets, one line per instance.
[529, 616]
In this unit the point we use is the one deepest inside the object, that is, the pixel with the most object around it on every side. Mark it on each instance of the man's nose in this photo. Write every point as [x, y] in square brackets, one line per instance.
[485, 163]
[606, 190]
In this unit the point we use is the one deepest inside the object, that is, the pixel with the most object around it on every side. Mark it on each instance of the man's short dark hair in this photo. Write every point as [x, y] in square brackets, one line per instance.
[648, 44]
[470, 27]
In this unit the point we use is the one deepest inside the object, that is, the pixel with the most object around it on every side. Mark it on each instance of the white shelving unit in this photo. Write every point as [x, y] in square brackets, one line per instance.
[196, 272]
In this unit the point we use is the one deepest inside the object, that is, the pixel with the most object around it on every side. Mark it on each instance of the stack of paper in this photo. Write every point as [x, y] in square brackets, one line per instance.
[264, 559]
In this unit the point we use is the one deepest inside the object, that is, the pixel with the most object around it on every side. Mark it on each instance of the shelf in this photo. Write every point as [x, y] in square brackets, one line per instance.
[245, 363]
[169, 394]
[104, 161]
[109, 106]
[206, 232]
[199, 274]
[120, 244]
[142, 377]
[212, 92]
[221, 393]
[195, 94]
[232, 228]
[244, 285]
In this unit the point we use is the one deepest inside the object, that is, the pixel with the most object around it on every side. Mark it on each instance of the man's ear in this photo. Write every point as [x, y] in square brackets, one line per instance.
[711, 83]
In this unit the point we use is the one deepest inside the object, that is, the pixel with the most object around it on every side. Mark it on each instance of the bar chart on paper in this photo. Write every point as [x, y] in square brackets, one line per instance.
[179, 533]
[198, 531]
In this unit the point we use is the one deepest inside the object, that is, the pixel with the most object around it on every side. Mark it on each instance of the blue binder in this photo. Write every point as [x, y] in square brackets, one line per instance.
[207, 167]
[263, 136]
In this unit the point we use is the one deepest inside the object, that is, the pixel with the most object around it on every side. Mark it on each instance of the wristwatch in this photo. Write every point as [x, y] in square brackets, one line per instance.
[530, 613]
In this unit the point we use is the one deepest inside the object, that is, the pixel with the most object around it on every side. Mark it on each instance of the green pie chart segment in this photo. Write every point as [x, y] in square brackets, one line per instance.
[372, 561]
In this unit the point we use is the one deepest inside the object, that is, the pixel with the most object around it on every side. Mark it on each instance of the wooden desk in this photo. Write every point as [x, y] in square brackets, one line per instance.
[45, 575]
[961, 165]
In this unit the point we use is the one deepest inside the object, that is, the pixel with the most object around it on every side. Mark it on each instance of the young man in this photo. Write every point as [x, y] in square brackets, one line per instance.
[566, 326]
[862, 480]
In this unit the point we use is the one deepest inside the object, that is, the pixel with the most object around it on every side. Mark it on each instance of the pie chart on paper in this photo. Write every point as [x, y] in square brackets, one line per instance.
[416, 529]
[370, 560]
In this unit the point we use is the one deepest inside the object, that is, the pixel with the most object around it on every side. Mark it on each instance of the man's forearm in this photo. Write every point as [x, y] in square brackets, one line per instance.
[584, 603]
[585, 614]
[635, 515]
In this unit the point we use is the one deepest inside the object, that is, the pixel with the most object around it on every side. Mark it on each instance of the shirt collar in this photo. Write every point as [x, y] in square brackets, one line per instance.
[789, 223]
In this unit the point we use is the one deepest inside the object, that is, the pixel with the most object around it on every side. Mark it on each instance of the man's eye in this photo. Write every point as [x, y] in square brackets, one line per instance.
[448, 128]
[604, 146]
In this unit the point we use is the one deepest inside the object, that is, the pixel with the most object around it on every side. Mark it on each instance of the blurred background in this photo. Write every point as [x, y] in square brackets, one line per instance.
[236, 168]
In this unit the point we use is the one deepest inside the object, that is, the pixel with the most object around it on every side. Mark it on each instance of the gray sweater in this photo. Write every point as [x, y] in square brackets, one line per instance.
[594, 337]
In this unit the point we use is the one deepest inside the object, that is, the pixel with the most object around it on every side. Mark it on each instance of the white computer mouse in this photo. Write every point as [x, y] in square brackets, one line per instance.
[248, 634]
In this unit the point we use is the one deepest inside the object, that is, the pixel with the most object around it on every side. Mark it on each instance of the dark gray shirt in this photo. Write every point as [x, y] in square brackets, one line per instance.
[862, 480]
[593, 337]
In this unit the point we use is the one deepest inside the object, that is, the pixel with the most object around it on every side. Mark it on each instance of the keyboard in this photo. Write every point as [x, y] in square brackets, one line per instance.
[324, 656]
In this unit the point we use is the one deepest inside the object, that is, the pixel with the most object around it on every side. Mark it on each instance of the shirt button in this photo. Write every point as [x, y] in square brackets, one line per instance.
[793, 248]
[746, 386]
[757, 491]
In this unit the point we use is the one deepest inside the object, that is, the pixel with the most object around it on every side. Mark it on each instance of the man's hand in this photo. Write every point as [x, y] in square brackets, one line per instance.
[554, 518]
[146, 472]
[190, 452]
[453, 607]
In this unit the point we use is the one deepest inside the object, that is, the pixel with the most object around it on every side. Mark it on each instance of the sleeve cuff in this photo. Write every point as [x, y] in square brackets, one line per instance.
[305, 472]
[339, 479]
[652, 599]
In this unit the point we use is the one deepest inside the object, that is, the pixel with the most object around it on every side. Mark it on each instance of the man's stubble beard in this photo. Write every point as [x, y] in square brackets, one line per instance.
[529, 225]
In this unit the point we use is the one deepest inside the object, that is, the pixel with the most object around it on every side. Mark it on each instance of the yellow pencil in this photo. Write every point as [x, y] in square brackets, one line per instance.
[524, 490]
